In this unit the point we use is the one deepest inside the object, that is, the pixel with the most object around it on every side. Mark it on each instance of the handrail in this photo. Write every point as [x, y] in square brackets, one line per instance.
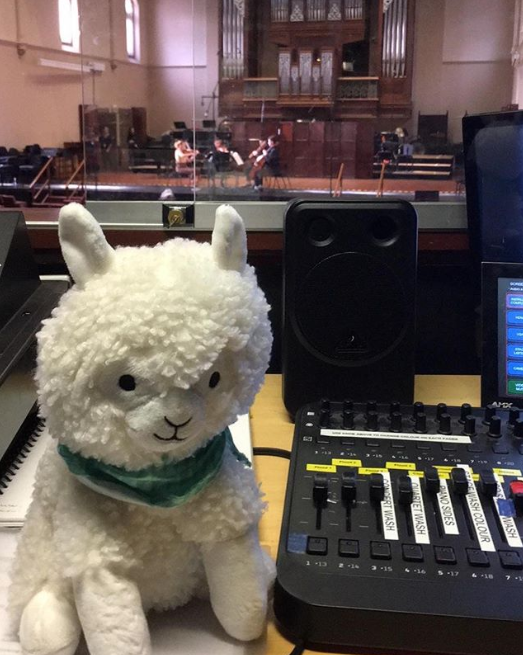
[44, 168]
[79, 188]
[75, 173]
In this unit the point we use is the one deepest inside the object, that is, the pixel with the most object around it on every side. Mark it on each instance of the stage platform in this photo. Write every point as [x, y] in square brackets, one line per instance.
[127, 186]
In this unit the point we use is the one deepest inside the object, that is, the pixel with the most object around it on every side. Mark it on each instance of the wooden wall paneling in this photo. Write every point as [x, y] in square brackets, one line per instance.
[332, 151]
[375, 10]
[316, 166]
[364, 149]
[139, 120]
[348, 138]
[301, 147]
[287, 147]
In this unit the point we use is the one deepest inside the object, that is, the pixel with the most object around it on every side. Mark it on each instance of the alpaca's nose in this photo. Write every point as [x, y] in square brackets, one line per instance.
[180, 406]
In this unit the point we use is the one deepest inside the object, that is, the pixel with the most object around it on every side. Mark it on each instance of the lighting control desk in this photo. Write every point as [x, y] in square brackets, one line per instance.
[271, 427]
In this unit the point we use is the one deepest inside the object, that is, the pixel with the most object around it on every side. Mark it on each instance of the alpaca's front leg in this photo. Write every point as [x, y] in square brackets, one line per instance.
[239, 578]
[111, 614]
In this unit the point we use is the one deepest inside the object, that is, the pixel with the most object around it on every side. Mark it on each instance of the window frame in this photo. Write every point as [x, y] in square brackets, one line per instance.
[132, 30]
[69, 25]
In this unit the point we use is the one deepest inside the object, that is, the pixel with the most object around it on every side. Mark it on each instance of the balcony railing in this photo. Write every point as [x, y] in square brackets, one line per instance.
[357, 88]
[260, 88]
[347, 88]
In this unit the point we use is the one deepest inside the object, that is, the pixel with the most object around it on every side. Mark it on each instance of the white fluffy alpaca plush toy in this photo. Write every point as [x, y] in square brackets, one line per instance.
[141, 501]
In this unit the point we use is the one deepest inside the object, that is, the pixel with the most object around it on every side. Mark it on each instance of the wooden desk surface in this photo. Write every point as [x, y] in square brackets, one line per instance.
[271, 427]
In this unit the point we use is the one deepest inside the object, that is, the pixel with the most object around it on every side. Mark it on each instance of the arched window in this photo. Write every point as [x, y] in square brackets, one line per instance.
[132, 29]
[69, 25]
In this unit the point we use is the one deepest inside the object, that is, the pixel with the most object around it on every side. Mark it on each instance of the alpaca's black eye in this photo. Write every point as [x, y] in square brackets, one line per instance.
[127, 382]
[214, 379]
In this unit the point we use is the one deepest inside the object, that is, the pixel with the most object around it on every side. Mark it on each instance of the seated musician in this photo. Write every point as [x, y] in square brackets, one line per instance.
[270, 164]
[255, 157]
[184, 157]
[219, 157]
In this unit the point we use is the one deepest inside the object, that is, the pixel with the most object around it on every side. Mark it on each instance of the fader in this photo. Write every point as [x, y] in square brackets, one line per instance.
[402, 529]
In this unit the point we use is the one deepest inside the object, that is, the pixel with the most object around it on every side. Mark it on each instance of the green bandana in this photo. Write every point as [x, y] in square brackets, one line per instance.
[164, 485]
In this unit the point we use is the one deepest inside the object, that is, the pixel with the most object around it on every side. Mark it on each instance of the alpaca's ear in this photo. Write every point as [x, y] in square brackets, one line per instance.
[229, 240]
[84, 247]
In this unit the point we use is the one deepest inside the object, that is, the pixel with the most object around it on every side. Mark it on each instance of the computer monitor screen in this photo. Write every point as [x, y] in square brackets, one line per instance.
[493, 153]
[502, 334]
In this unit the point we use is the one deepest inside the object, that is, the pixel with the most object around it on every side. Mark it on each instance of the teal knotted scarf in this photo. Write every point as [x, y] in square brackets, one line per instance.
[165, 485]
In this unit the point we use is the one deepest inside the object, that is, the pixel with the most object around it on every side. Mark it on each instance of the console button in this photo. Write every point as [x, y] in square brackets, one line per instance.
[349, 548]
[477, 557]
[317, 546]
[321, 439]
[380, 550]
[444, 555]
[423, 445]
[510, 559]
[475, 448]
[412, 553]
[448, 447]
[372, 443]
[500, 449]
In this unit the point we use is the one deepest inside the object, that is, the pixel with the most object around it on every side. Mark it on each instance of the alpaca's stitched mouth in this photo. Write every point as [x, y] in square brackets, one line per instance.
[176, 427]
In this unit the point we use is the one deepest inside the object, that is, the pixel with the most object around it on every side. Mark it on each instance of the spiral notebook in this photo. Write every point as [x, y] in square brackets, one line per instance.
[16, 484]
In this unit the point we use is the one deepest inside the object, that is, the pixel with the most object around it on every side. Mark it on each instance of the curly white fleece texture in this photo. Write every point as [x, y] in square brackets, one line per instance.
[168, 312]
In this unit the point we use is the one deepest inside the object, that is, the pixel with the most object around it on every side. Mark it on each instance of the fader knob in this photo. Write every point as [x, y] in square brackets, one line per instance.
[348, 419]
[376, 487]
[488, 483]
[518, 429]
[516, 493]
[372, 421]
[490, 411]
[441, 408]
[513, 415]
[325, 403]
[494, 429]
[396, 422]
[325, 418]
[445, 424]
[470, 426]
[348, 405]
[405, 494]
[418, 408]
[348, 487]
[372, 406]
[432, 483]
[460, 482]
[466, 410]
[420, 423]
[320, 490]
[394, 407]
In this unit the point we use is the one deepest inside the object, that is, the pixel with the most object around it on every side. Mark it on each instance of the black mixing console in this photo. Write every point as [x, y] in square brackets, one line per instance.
[402, 529]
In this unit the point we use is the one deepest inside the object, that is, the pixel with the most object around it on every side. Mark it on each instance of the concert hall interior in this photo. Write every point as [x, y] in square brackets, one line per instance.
[152, 102]
[365, 96]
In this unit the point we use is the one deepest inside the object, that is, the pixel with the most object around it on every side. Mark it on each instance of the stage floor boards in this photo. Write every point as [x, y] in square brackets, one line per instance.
[237, 181]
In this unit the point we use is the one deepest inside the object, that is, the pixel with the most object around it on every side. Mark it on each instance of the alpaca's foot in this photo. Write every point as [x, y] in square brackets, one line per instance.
[49, 626]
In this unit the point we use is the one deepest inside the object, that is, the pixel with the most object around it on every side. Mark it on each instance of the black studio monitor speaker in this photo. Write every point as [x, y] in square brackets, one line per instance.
[349, 301]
